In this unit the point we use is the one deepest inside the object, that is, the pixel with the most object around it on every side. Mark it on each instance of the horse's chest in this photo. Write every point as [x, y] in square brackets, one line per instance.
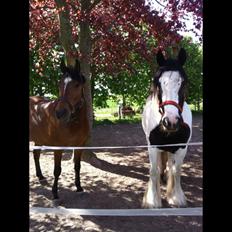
[73, 133]
[159, 137]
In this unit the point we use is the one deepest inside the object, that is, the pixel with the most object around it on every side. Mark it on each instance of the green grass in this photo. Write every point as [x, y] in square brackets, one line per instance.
[192, 107]
[106, 116]
[116, 120]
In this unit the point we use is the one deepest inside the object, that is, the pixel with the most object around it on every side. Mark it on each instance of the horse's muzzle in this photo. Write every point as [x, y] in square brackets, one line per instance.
[171, 126]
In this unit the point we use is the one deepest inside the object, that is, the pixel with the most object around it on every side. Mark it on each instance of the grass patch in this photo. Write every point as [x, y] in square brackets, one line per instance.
[105, 116]
[116, 120]
[197, 113]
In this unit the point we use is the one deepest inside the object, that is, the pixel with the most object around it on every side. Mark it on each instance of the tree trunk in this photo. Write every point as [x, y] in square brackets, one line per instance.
[93, 76]
[85, 50]
[198, 101]
[123, 104]
[66, 33]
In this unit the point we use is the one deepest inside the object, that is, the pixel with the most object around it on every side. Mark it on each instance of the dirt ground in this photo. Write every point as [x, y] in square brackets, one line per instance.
[119, 183]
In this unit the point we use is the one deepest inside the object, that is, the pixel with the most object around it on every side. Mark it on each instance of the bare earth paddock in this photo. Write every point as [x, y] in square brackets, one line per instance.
[119, 183]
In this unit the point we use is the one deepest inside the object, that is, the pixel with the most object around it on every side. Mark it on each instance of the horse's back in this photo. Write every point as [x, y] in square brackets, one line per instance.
[37, 115]
[37, 99]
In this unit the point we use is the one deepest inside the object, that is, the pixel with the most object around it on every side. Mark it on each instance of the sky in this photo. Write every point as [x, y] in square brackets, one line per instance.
[189, 22]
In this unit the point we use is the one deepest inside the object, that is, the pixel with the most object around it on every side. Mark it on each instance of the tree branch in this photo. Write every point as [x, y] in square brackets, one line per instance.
[108, 29]
[160, 3]
[93, 5]
[65, 32]
[131, 68]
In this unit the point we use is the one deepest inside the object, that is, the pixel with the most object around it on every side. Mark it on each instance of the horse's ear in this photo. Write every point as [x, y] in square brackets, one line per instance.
[160, 58]
[182, 56]
[78, 66]
[63, 67]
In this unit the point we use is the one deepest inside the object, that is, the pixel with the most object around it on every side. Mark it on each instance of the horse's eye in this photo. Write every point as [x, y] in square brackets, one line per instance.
[77, 85]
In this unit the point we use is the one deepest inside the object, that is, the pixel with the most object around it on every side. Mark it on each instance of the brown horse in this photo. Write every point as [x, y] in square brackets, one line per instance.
[62, 122]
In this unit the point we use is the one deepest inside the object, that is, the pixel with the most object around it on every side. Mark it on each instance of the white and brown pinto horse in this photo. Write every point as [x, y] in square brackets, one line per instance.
[62, 122]
[167, 119]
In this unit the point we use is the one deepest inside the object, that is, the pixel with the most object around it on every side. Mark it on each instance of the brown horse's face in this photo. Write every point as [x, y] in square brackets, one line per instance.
[70, 93]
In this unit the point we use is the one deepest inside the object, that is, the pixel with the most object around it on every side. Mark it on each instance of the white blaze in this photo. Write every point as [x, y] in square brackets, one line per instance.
[170, 84]
[66, 81]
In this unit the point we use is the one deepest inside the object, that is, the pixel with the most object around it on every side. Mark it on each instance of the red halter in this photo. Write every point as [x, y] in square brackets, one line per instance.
[171, 103]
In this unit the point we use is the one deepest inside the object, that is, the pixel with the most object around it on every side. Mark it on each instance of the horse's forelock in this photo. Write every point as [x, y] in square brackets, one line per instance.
[170, 65]
[74, 75]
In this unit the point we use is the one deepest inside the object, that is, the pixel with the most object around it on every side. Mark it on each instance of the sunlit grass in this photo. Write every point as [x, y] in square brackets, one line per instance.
[107, 115]
[116, 120]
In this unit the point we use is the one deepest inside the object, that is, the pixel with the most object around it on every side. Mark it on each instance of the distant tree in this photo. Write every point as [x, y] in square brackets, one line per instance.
[194, 70]
[133, 86]
[130, 87]
[44, 79]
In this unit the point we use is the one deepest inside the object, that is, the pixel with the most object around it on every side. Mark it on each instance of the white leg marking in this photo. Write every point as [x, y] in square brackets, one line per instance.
[175, 194]
[152, 197]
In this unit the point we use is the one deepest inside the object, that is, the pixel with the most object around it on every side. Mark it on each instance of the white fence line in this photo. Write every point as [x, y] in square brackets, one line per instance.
[120, 212]
[117, 212]
[111, 147]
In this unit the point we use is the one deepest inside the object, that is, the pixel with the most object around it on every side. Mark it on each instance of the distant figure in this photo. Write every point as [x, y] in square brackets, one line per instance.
[120, 106]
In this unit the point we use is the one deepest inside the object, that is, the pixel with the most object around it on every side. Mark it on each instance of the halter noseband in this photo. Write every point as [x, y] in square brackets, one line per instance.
[76, 107]
[161, 105]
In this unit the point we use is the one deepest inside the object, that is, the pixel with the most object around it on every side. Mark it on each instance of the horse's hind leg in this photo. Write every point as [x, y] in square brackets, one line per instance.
[36, 154]
[57, 172]
[163, 174]
[77, 167]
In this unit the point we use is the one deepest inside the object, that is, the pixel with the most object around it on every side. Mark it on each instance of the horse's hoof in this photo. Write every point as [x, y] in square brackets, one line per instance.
[180, 203]
[151, 206]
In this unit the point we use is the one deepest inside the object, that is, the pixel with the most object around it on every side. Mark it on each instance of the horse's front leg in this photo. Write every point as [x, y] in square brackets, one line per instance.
[57, 172]
[175, 194]
[36, 154]
[77, 167]
[152, 196]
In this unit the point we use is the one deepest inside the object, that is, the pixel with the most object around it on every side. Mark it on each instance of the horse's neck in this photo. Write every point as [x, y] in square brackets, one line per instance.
[155, 103]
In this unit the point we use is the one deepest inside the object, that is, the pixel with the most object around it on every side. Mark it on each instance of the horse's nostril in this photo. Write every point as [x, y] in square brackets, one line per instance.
[166, 122]
[61, 113]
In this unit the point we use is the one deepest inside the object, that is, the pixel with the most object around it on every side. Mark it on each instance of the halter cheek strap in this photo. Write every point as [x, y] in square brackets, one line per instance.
[76, 107]
[170, 103]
